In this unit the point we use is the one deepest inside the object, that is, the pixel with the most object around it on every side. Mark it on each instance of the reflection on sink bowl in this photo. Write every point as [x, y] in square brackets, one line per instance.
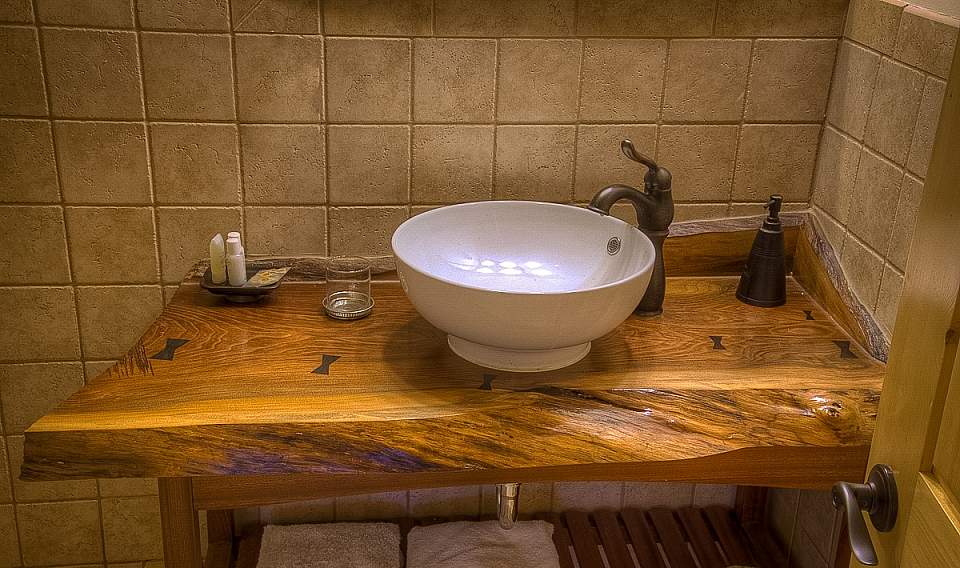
[521, 285]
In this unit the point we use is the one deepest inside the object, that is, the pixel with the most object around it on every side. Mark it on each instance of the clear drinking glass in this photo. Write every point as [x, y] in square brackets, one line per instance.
[348, 288]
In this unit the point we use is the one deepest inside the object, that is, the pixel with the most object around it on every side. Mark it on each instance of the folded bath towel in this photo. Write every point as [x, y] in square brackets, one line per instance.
[333, 545]
[529, 544]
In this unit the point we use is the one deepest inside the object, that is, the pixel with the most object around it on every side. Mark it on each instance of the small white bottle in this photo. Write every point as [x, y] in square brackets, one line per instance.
[236, 263]
[218, 266]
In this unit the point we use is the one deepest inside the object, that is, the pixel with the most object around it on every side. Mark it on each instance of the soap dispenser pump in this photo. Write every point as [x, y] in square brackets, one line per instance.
[764, 279]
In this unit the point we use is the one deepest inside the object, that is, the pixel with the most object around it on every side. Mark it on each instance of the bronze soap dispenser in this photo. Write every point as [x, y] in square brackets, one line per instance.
[764, 279]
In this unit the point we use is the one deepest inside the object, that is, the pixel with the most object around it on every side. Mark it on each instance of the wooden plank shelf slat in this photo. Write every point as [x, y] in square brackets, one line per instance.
[591, 537]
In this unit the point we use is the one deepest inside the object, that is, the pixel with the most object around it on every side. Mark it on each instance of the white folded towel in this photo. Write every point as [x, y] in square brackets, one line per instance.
[529, 544]
[333, 545]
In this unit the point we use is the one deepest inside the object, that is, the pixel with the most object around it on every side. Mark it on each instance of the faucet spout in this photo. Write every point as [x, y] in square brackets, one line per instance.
[654, 209]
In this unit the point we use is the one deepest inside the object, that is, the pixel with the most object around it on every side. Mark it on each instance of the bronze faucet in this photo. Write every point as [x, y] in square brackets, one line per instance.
[654, 207]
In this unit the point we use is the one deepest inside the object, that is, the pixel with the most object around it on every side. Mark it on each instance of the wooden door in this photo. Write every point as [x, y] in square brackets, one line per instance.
[918, 429]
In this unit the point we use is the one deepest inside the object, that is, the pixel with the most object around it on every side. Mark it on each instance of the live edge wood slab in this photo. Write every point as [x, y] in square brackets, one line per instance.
[711, 391]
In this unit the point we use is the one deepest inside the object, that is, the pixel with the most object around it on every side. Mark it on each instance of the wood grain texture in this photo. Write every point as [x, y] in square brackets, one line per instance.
[817, 269]
[240, 397]
[181, 528]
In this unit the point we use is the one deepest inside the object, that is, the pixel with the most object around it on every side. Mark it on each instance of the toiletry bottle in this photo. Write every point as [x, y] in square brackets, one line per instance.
[236, 263]
[764, 279]
[218, 266]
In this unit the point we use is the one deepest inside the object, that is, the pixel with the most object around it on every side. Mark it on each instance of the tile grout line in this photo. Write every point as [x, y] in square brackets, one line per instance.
[576, 129]
[148, 142]
[743, 112]
[238, 137]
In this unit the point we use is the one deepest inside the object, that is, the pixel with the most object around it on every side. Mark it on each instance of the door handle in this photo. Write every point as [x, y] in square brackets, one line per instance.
[877, 497]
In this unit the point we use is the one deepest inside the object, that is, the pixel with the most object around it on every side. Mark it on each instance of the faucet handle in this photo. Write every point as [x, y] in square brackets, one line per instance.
[626, 146]
[657, 178]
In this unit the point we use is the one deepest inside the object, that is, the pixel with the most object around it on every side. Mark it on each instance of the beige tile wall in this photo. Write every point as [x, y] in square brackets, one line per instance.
[882, 113]
[131, 130]
[888, 87]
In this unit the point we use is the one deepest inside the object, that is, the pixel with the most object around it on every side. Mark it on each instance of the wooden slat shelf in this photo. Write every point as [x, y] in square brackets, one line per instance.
[709, 537]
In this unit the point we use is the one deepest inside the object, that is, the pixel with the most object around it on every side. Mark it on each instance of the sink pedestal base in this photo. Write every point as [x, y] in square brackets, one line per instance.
[518, 360]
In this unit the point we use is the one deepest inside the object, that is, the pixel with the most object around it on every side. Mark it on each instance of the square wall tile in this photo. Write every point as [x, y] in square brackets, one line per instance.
[776, 159]
[285, 231]
[874, 23]
[905, 223]
[112, 318]
[706, 79]
[823, 18]
[188, 76]
[701, 159]
[29, 172]
[816, 517]
[875, 195]
[534, 162]
[601, 163]
[112, 244]
[31, 390]
[893, 113]
[782, 514]
[279, 78]
[368, 80]
[587, 495]
[92, 74]
[41, 323]
[277, 16]
[853, 82]
[195, 163]
[131, 528]
[378, 18]
[21, 85]
[641, 18]
[927, 40]
[862, 267]
[445, 502]
[534, 498]
[205, 15]
[128, 487]
[538, 80]
[9, 541]
[90, 13]
[888, 299]
[363, 231]
[925, 132]
[27, 491]
[374, 507]
[698, 211]
[185, 234]
[834, 232]
[283, 164]
[504, 18]
[454, 80]
[32, 247]
[368, 164]
[60, 533]
[452, 164]
[649, 495]
[20, 11]
[834, 182]
[790, 79]
[102, 162]
[622, 80]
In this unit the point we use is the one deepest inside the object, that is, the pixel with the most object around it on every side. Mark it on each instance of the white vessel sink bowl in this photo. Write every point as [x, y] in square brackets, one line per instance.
[522, 285]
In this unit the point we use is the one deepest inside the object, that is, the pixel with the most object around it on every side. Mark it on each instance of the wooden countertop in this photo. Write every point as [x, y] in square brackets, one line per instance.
[713, 390]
